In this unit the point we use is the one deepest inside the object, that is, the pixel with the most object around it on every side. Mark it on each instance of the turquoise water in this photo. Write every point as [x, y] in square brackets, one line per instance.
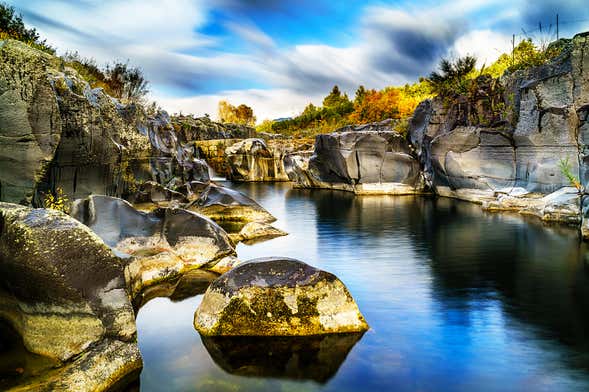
[457, 300]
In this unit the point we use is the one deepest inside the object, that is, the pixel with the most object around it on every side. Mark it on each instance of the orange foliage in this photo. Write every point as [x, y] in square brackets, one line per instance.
[379, 105]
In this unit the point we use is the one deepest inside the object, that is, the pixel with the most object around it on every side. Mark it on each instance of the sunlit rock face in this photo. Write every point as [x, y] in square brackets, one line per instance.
[503, 145]
[316, 358]
[361, 161]
[225, 204]
[277, 297]
[63, 290]
[163, 243]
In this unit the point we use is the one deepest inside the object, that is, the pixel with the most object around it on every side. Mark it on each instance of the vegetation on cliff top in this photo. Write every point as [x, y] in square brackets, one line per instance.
[13, 27]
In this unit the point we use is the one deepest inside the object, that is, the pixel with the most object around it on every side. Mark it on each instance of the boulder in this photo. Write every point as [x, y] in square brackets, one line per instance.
[163, 243]
[277, 297]
[64, 292]
[359, 161]
[225, 204]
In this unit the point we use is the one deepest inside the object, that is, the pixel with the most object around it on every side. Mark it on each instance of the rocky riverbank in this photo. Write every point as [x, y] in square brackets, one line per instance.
[507, 145]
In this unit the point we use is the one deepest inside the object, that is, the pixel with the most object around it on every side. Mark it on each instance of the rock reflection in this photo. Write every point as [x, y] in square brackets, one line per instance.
[316, 358]
[188, 285]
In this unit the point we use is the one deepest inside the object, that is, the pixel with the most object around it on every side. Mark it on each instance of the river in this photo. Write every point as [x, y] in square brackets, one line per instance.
[457, 300]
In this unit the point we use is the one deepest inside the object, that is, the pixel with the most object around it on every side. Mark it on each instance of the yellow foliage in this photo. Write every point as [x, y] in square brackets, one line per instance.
[57, 201]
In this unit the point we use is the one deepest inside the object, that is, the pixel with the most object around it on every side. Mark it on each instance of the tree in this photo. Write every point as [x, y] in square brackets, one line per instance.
[241, 114]
[335, 98]
[451, 79]
[360, 95]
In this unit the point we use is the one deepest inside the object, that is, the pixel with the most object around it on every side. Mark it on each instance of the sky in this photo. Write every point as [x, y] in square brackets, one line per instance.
[278, 56]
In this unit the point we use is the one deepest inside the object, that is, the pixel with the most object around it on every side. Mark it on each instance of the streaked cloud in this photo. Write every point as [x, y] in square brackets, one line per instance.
[279, 55]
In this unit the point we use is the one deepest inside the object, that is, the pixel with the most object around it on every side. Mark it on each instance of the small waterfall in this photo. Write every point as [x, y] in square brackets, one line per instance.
[213, 174]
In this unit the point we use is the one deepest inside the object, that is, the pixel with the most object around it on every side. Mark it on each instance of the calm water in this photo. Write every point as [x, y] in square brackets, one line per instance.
[457, 300]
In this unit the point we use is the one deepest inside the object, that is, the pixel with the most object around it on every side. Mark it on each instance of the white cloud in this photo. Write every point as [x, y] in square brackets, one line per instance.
[267, 104]
[392, 46]
[485, 45]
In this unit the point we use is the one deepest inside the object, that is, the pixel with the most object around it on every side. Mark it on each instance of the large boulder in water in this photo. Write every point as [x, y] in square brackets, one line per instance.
[224, 204]
[164, 243]
[63, 290]
[277, 297]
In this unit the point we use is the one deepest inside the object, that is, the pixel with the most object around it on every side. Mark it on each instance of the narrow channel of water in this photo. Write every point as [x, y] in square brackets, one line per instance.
[457, 300]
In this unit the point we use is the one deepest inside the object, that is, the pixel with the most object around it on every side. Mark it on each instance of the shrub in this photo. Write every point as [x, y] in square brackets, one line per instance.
[453, 76]
[56, 201]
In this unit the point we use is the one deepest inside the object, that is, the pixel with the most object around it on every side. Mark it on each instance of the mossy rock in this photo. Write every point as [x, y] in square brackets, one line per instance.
[277, 297]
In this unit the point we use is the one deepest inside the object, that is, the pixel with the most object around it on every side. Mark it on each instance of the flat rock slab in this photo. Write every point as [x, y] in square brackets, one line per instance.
[277, 297]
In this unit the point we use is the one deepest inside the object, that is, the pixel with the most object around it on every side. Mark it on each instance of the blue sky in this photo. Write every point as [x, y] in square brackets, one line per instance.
[277, 56]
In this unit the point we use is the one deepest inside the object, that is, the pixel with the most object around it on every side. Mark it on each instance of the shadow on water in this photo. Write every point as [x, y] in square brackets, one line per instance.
[316, 358]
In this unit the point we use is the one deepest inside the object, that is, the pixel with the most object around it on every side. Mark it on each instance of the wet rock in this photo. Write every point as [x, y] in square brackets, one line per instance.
[360, 161]
[153, 195]
[163, 244]
[255, 232]
[560, 206]
[316, 358]
[252, 160]
[225, 204]
[64, 292]
[277, 297]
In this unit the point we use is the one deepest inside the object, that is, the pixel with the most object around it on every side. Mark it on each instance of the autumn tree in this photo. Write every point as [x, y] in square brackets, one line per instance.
[241, 114]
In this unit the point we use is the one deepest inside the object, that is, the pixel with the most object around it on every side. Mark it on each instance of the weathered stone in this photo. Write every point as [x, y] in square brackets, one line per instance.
[277, 297]
[224, 204]
[64, 292]
[364, 162]
[255, 232]
[163, 243]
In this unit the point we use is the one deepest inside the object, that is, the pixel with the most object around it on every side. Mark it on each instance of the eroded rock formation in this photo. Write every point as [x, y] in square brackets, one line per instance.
[360, 161]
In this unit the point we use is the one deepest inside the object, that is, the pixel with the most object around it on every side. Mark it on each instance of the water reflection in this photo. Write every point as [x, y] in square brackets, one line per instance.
[315, 358]
[457, 300]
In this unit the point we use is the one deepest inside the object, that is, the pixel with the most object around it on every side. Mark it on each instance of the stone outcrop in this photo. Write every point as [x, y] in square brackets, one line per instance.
[359, 161]
[504, 145]
[277, 297]
[162, 244]
[64, 292]
[58, 132]
[225, 204]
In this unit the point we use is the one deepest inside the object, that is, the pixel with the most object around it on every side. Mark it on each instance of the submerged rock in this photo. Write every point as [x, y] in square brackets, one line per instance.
[64, 292]
[163, 243]
[225, 204]
[255, 232]
[316, 358]
[277, 297]
[359, 161]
